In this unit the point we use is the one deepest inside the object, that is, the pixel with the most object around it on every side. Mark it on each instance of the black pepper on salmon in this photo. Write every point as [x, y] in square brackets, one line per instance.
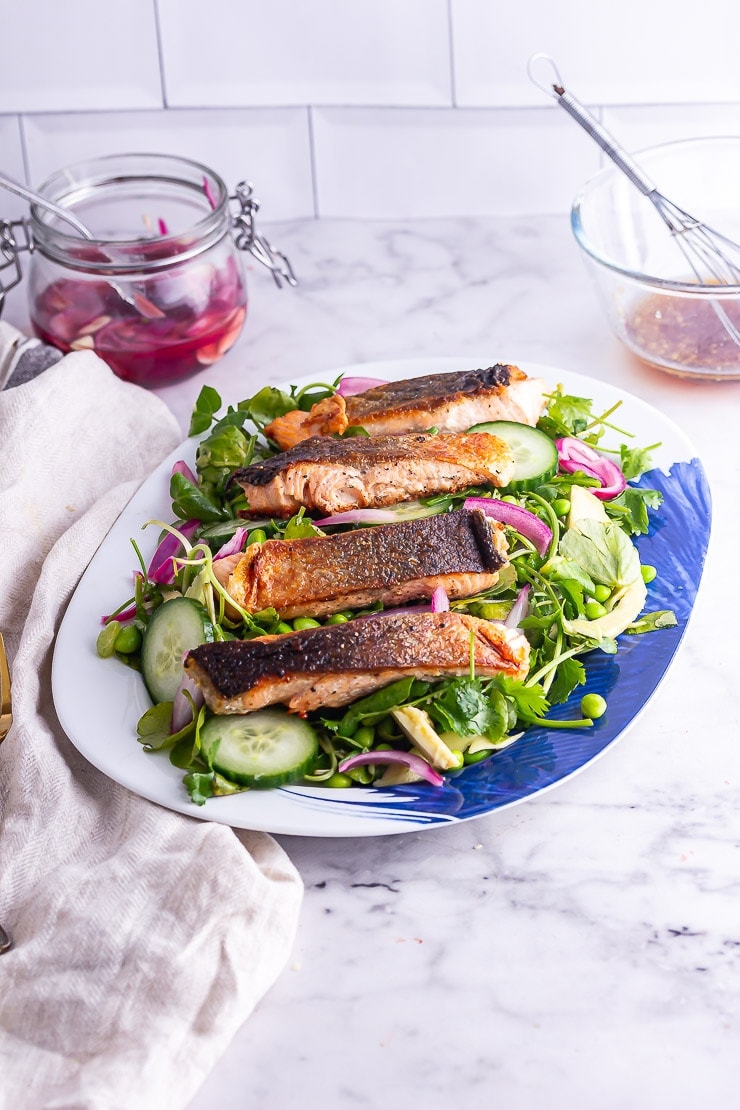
[332, 665]
[335, 475]
[462, 552]
[449, 402]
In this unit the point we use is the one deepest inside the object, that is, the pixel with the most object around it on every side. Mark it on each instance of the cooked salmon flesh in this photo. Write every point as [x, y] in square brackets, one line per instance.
[449, 402]
[461, 551]
[334, 475]
[333, 665]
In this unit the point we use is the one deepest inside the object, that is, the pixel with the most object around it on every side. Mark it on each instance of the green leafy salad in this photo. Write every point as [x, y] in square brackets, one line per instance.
[572, 585]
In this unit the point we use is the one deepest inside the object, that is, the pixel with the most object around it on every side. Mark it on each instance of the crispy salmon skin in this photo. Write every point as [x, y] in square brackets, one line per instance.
[462, 552]
[335, 475]
[450, 402]
[332, 665]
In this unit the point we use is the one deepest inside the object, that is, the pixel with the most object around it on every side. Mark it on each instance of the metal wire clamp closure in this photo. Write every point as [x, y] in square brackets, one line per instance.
[247, 239]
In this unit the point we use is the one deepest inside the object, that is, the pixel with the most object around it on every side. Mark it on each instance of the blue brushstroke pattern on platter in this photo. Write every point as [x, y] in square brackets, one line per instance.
[677, 543]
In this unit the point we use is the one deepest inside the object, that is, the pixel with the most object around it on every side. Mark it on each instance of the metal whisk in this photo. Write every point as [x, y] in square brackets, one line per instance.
[712, 257]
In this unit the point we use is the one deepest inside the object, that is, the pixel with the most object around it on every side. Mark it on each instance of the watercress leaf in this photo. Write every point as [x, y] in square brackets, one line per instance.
[153, 728]
[192, 502]
[208, 402]
[651, 622]
[225, 449]
[267, 405]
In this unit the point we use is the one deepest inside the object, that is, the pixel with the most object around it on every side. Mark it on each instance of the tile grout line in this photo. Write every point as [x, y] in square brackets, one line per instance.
[312, 162]
[160, 53]
[451, 43]
[24, 150]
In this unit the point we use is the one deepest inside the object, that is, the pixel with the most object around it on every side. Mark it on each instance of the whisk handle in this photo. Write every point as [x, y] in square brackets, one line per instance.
[608, 144]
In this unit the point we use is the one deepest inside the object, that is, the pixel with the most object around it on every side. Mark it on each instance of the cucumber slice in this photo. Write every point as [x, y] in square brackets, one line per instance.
[535, 454]
[177, 626]
[266, 748]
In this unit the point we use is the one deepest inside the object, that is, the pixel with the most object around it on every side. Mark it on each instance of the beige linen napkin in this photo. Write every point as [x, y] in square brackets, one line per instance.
[143, 938]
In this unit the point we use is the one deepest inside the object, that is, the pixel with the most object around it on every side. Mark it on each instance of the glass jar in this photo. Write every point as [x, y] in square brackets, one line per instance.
[156, 285]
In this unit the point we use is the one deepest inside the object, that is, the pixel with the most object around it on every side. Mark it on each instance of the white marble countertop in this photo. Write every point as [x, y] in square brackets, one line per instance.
[579, 950]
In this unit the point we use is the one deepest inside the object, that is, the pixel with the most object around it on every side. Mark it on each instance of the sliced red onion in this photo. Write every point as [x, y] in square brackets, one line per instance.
[161, 568]
[519, 609]
[234, 545]
[181, 467]
[414, 762]
[123, 616]
[351, 385]
[530, 525]
[147, 308]
[182, 710]
[208, 192]
[440, 600]
[575, 455]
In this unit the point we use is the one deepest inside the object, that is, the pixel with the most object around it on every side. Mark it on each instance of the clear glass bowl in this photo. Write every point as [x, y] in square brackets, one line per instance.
[159, 292]
[653, 302]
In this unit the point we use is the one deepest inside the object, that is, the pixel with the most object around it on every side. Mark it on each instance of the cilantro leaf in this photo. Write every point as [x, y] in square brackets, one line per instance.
[465, 707]
[631, 508]
[569, 674]
[530, 702]
[635, 461]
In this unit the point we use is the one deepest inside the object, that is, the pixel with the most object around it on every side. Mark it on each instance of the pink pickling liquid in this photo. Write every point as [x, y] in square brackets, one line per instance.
[164, 340]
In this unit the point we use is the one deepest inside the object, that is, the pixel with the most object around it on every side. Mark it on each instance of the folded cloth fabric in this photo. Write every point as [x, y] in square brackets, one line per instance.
[142, 938]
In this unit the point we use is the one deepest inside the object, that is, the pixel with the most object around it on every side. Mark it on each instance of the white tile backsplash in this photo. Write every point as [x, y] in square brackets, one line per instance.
[441, 162]
[269, 147]
[11, 206]
[633, 52]
[78, 55]
[315, 52]
[368, 108]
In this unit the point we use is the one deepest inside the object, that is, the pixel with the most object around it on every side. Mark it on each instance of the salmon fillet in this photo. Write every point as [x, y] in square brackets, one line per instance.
[335, 664]
[334, 475]
[393, 563]
[449, 402]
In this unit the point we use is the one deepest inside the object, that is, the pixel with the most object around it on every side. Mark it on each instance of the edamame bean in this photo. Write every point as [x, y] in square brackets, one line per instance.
[561, 506]
[301, 623]
[283, 626]
[337, 618]
[106, 642]
[594, 610]
[648, 573]
[338, 780]
[593, 706]
[365, 736]
[128, 640]
[602, 593]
